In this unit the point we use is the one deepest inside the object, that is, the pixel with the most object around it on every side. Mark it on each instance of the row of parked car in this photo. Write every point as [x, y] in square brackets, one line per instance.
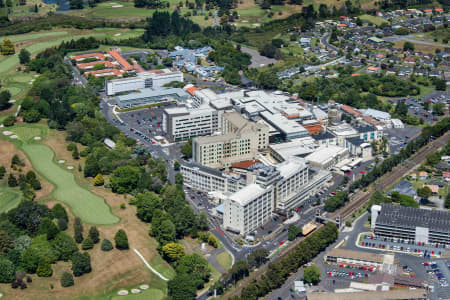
[437, 272]
[403, 241]
[350, 274]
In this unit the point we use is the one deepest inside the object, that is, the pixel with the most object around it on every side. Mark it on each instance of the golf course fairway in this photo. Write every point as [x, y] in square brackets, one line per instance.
[89, 207]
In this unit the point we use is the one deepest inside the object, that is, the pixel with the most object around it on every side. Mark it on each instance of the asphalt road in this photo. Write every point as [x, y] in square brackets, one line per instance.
[324, 41]
[258, 60]
[408, 38]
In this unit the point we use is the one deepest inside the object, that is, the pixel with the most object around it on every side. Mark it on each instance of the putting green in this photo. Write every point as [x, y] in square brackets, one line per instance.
[22, 78]
[89, 207]
[9, 199]
[14, 90]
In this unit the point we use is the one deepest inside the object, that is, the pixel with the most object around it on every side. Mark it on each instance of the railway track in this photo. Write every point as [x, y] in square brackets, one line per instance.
[386, 181]
[359, 200]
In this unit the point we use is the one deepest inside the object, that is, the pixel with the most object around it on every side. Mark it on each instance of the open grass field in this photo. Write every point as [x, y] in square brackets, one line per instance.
[162, 267]
[9, 198]
[224, 260]
[373, 19]
[18, 82]
[89, 207]
[421, 47]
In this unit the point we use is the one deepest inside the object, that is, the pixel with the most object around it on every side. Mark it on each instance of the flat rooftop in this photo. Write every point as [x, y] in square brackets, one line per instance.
[325, 154]
[144, 96]
[392, 294]
[360, 255]
[288, 127]
[247, 194]
[411, 217]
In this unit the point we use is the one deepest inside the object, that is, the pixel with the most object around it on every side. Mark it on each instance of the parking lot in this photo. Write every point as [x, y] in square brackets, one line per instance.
[147, 122]
[439, 274]
[428, 251]
[399, 137]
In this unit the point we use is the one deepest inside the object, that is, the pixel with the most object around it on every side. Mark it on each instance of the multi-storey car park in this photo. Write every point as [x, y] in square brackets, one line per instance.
[409, 223]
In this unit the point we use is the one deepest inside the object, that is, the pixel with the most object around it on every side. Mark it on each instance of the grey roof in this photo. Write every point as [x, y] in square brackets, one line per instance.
[363, 129]
[203, 168]
[404, 187]
[411, 217]
[356, 141]
[323, 136]
[149, 95]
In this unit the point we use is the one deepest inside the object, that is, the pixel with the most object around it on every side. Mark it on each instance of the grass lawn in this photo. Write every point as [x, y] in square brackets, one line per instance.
[373, 19]
[34, 36]
[224, 260]
[9, 198]
[162, 267]
[89, 207]
[153, 294]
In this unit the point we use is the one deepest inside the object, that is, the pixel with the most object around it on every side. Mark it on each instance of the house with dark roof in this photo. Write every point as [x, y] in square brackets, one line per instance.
[404, 187]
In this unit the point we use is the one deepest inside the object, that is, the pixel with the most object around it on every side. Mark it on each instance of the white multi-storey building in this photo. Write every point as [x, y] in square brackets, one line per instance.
[248, 208]
[149, 79]
[181, 124]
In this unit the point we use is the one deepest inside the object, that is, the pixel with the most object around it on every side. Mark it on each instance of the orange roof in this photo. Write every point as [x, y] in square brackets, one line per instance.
[372, 121]
[371, 68]
[350, 110]
[446, 174]
[438, 9]
[192, 90]
[291, 116]
[427, 10]
[356, 74]
[245, 164]
[434, 188]
[313, 128]
[342, 25]
[106, 72]
[137, 66]
[422, 173]
[99, 56]
[90, 65]
[122, 61]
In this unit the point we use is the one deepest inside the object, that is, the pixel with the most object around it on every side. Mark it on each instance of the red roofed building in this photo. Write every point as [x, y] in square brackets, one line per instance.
[313, 127]
[192, 90]
[438, 10]
[91, 65]
[410, 60]
[356, 74]
[102, 73]
[446, 176]
[428, 11]
[342, 25]
[98, 56]
[122, 61]
[245, 165]
[350, 110]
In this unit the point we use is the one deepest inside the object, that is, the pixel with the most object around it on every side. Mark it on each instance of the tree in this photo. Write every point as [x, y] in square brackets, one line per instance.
[81, 263]
[62, 224]
[179, 178]
[440, 84]
[94, 234]
[98, 180]
[78, 230]
[48, 228]
[213, 241]
[125, 179]
[257, 257]
[447, 201]
[173, 251]
[424, 192]
[293, 231]
[186, 150]
[438, 108]
[65, 245]
[408, 46]
[12, 181]
[106, 245]
[44, 268]
[312, 274]
[87, 243]
[67, 279]
[6, 242]
[31, 116]
[176, 165]
[24, 56]
[76, 4]
[5, 96]
[59, 212]
[7, 270]
[9, 121]
[7, 47]
[121, 240]
[146, 203]
[182, 287]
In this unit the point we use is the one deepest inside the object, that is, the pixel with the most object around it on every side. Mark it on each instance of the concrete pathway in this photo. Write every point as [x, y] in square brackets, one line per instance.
[148, 265]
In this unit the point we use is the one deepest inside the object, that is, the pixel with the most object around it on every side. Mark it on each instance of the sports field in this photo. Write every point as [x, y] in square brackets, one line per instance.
[9, 198]
[89, 207]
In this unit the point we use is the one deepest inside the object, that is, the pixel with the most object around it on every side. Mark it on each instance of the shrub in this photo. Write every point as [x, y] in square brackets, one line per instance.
[94, 234]
[12, 180]
[106, 245]
[78, 230]
[81, 263]
[9, 121]
[59, 212]
[67, 279]
[98, 180]
[87, 244]
[44, 268]
[121, 240]
[7, 271]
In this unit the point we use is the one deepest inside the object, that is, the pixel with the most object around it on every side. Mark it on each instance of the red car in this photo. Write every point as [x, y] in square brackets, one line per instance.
[362, 172]
[281, 243]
